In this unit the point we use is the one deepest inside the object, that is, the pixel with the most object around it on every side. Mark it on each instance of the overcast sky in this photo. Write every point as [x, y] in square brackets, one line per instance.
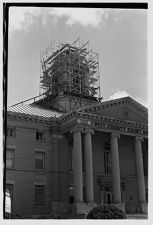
[119, 36]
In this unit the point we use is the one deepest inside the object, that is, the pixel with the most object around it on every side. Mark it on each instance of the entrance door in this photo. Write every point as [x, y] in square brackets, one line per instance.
[108, 197]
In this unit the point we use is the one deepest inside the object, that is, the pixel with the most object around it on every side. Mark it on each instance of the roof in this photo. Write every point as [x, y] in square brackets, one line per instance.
[112, 103]
[34, 110]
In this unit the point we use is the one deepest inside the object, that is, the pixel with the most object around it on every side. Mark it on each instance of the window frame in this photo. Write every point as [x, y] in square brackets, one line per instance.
[10, 187]
[43, 160]
[11, 130]
[40, 193]
[38, 134]
[13, 158]
[107, 164]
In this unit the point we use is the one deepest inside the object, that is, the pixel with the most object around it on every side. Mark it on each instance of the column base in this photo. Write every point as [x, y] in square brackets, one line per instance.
[120, 206]
[143, 207]
[84, 208]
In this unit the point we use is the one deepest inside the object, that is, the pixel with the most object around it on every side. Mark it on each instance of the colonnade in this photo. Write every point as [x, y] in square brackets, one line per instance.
[78, 182]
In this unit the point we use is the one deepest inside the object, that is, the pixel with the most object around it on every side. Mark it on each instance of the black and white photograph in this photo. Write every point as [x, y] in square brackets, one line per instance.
[75, 111]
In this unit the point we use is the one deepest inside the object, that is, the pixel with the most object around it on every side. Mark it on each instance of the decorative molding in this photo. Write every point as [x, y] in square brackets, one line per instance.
[76, 129]
[31, 118]
[139, 138]
[90, 120]
[115, 135]
[88, 130]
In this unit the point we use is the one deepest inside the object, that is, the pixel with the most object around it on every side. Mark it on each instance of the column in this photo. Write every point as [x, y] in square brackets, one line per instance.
[77, 166]
[115, 169]
[88, 166]
[139, 170]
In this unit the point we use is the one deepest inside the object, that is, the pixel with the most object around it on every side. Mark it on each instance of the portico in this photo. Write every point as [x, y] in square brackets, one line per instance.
[85, 135]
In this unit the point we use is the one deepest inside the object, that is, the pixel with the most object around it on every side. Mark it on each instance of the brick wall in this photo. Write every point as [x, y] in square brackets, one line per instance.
[56, 177]
[24, 175]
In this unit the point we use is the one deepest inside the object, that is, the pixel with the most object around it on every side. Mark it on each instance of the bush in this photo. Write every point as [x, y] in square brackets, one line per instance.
[106, 212]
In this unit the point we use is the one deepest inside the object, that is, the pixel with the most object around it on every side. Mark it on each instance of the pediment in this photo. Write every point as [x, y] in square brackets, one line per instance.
[123, 109]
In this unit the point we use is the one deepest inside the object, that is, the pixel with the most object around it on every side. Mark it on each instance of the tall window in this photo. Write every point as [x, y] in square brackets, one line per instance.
[107, 162]
[40, 136]
[83, 157]
[40, 160]
[39, 194]
[9, 199]
[10, 158]
[107, 157]
[71, 159]
[11, 132]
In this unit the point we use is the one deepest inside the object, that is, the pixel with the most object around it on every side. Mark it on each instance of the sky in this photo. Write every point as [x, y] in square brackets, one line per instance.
[119, 36]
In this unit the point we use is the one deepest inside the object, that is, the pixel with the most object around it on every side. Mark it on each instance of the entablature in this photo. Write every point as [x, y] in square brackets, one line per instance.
[102, 123]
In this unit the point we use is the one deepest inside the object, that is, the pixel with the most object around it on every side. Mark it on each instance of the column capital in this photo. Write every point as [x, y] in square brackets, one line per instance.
[76, 129]
[139, 138]
[88, 130]
[113, 135]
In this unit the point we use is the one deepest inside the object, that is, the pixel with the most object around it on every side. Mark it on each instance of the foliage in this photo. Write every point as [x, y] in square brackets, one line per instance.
[106, 212]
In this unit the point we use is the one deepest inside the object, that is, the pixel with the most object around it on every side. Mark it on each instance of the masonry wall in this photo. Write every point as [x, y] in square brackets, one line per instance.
[57, 178]
[24, 175]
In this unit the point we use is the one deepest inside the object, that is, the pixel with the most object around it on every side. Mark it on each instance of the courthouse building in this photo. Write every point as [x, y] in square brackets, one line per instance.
[69, 150]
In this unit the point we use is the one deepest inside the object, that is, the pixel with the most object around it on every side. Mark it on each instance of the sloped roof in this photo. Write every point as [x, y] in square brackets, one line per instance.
[114, 103]
[34, 110]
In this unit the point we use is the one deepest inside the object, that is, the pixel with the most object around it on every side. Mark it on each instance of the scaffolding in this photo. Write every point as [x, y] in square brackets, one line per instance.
[69, 68]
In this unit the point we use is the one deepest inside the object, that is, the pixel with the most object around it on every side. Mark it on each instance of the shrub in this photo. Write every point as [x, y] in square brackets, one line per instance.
[106, 212]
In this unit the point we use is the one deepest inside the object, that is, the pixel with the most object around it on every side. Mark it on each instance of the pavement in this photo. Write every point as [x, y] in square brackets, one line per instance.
[137, 216]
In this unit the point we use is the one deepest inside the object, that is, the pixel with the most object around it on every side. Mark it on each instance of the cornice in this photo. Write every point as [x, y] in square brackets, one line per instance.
[105, 123]
[31, 118]
[97, 122]
[114, 103]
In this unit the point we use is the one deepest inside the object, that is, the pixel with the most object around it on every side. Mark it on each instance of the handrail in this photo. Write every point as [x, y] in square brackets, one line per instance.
[34, 98]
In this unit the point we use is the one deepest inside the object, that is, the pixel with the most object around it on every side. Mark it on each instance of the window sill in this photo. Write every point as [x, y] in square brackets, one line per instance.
[10, 168]
[40, 171]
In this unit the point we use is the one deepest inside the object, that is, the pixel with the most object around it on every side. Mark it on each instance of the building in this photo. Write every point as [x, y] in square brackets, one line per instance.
[68, 150]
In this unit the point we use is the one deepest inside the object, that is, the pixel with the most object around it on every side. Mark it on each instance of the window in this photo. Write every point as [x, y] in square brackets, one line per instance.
[107, 157]
[39, 136]
[11, 132]
[83, 157]
[107, 162]
[9, 158]
[9, 198]
[40, 160]
[39, 194]
[71, 159]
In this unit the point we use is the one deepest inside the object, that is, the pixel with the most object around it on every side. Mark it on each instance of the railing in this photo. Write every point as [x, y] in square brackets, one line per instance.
[34, 99]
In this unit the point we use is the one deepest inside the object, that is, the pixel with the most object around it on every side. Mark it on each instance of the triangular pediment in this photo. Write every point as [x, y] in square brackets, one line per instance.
[123, 108]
